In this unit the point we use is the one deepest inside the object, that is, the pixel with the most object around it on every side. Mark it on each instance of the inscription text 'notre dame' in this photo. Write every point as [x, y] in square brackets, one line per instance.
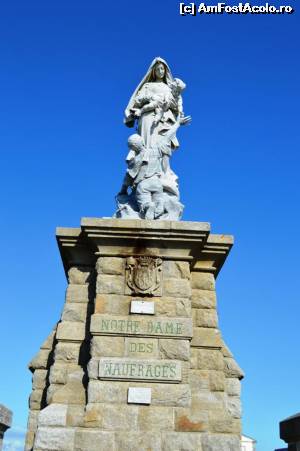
[167, 327]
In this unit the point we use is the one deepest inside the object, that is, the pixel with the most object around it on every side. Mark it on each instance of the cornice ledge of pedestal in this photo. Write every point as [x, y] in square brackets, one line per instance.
[214, 253]
[140, 228]
[73, 247]
[178, 240]
[68, 236]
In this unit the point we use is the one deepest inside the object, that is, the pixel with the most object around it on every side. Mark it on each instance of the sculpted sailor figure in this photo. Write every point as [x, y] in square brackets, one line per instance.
[156, 109]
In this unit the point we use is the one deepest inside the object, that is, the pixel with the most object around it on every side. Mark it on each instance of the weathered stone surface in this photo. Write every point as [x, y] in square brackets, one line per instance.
[103, 346]
[91, 440]
[35, 400]
[206, 337]
[71, 330]
[225, 350]
[93, 368]
[41, 360]
[176, 269]
[220, 442]
[233, 386]
[206, 318]
[53, 415]
[205, 400]
[205, 299]
[171, 306]
[217, 381]
[221, 422]
[193, 358]
[137, 369]
[156, 418]
[177, 395]
[181, 442]
[77, 293]
[108, 346]
[112, 416]
[32, 420]
[107, 284]
[174, 349]
[51, 390]
[199, 380]
[29, 440]
[71, 393]
[39, 379]
[67, 352]
[210, 359]
[79, 275]
[183, 307]
[141, 347]
[107, 392]
[187, 420]
[177, 288]
[232, 369]
[93, 416]
[54, 438]
[233, 405]
[110, 265]
[203, 281]
[58, 373]
[75, 415]
[49, 342]
[74, 312]
[141, 325]
[112, 303]
[138, 441]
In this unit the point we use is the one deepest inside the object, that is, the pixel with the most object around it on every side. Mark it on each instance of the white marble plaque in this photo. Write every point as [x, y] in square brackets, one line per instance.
[142, 307]
[139, 395]
[138, 369]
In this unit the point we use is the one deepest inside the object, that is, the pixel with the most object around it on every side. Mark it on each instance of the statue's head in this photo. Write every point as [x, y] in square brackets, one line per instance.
[135, 142]
[159, 72]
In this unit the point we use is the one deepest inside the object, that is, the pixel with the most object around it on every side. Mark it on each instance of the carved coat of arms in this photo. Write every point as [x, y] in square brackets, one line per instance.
[143, 275]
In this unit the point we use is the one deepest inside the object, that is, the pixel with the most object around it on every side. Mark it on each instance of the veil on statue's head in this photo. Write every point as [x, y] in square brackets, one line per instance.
[148, 77]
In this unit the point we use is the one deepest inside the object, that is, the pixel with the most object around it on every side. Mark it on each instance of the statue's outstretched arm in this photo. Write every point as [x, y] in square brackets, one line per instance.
[172, 131]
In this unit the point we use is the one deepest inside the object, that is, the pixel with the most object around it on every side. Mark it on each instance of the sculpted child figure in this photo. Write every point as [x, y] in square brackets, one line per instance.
[147, 178]
[143, 176]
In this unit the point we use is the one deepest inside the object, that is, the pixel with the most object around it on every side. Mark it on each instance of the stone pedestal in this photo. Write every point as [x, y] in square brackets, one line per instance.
[137, 361]
[5, 422]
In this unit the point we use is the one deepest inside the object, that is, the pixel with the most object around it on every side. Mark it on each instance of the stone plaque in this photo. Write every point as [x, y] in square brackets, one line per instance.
[131, 369]
[147, 327]
[142, 307]
[139, 395]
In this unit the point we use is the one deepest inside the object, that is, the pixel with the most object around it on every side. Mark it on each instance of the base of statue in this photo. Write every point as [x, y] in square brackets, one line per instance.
[137, 361]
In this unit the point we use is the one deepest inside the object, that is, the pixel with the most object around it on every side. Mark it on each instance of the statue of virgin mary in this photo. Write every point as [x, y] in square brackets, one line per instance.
[156, 103]
[150, 187]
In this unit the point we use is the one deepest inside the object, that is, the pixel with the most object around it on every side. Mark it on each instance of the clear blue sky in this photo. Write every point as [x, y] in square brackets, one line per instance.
[67, 71]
